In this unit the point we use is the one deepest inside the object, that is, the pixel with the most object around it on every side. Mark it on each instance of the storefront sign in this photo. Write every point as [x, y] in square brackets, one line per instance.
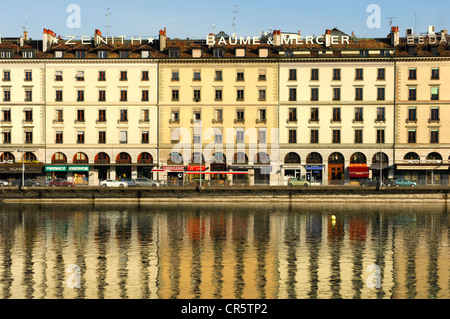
[173, 168]
[78, 168]
[17, 169]
[56, 168]
[314, 168]
[196, 168]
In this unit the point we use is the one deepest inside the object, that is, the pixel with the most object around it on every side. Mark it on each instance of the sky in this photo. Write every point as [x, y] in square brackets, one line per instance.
[197, 18]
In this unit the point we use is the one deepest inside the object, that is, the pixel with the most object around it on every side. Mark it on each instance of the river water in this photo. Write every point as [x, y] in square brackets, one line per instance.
[225, 251]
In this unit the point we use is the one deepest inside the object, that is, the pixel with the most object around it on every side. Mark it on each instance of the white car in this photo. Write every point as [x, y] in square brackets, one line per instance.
[4, 183]
[113, 183]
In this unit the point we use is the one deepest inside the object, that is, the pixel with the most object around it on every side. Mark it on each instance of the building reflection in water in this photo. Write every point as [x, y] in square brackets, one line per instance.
[212, 251]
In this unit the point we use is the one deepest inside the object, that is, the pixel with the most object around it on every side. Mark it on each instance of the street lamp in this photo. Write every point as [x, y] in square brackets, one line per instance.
[23, 153]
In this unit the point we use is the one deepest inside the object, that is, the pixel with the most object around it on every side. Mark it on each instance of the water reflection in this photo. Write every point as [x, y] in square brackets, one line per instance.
[234, 251]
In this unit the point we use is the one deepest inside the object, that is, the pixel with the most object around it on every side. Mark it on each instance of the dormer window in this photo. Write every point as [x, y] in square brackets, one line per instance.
[197, 53]
[28, 54]
[102, 54]
[219, 52]
[124, 54]
[59, 54]
[174, 53]
[145, 54]
[263, 52]
[240, 52]
[5, 54]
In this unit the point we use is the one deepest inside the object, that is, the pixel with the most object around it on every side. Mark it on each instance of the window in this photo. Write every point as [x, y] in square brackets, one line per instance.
[7, 137]
[412, 139]
[380, 136]
[292, 115]
[175, 95]
[358, 94]
[80, 95]
[80, 116]
[219, 52]
[240, 116]
[314, 136]
[145, 115]
[80, 76]
[197, 76]
[123, 137]
[261, 95]
[58, 76]
[59, 96]
[175, 136]
[123, 95]
[102, 96]
[174, 53]
[102, 115]
[381, 114]
[144, 76]
[336, 114]
[80, 54]
[28, 95]
[102, 54]
[292, 136]
[144, 137]
[240, 137]
[434, 136]
[80, 137]
[6, 75]
[292, 94]
[262, 115]
[28, 76]
[292, 75]
[314, 94]
[412, 74]
[6, 96]
[434, 116]
[240, 76]
[175, 118]
[381, 95]
[197, 116]
[28, 54]
[336, 136]
[381, 74]
[412, 114]
[359, 74]
[29, 137]
[218, 76]
[101, 137]
[240, 95]
[124, 54]
[218, 115]
[262, 136]
[59, 54]
[435, 73]
[315, 75]
[28, 115]
[358, 136]
[218, 138]
[102, 75]
[197, 137]
[5, 54]
[336, 94]
[359, 114]
[175, 76]
[262, 75]
[144, 95]
[123, 115]
[197, 95]
[336, 74]
[218, 95]
[435, 93]
[123, 76]
[314, 114]
[7, 115]
[59, 116]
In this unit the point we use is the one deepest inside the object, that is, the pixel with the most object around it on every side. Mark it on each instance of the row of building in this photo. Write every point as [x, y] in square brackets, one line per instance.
[332, 109]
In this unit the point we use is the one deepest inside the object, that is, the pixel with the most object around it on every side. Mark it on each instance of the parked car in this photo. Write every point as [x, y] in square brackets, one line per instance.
[403, 182]
[145, 182]
[129, 181]
[61, 183]
[4, 183]
[28, 182]
[373, 182]
[390, 182]
[298, 182]
[113, 183]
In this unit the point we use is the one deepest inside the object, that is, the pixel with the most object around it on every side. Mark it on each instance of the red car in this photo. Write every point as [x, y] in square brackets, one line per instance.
[61, 183]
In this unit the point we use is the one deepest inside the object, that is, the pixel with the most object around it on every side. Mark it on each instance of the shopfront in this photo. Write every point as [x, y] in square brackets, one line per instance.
[336, 169]
[314, 174]
[425, 174]
[13, 171]
[219, 173]
[195, 172]
[78, 174]
[173, 174]
[55, 172]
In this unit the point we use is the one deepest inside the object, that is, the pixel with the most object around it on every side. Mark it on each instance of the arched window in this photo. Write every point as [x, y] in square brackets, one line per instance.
[262, 158]
[123, 158]
[197, 157]
[434, 157]
[175, 159]
[59, 158]
[80, 158]
[30, 157]
[292, 158]
[240, 158]
[336, 158]
[358, 158]
[219, 158]
[376, 159]
[314, 158]
[145, 158]
[7, 157]
[412, 157]
[101, 158]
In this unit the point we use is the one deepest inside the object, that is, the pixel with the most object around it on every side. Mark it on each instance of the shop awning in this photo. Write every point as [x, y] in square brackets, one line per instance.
[359, 171]
[422, 167]
[218, 173]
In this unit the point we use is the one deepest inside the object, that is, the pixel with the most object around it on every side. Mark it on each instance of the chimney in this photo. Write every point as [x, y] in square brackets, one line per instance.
[48, 36]
[25, 35]
[276, 37]
[162, 40]
[98, 37]
[328, 38]
[395, 36]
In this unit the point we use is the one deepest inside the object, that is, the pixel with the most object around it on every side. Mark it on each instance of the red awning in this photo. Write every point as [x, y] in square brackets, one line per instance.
[359, 171]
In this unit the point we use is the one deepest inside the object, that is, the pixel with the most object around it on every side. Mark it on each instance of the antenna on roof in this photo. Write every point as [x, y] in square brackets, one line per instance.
[234, 19]
[390, 20]
[108, 14]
